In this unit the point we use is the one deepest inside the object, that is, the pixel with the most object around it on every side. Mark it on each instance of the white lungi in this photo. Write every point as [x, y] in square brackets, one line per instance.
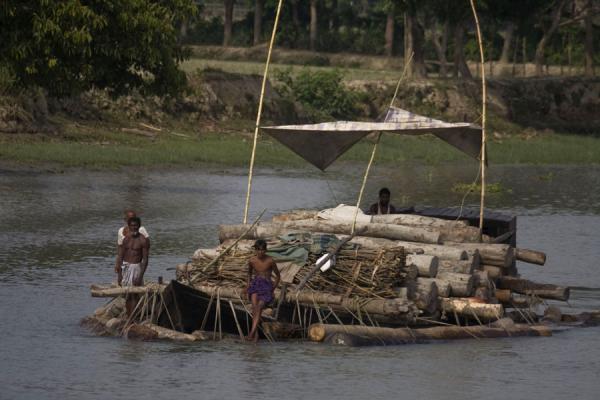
[131, 273]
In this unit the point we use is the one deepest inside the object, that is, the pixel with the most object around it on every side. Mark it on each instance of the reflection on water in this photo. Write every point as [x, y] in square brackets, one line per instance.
[58, 235]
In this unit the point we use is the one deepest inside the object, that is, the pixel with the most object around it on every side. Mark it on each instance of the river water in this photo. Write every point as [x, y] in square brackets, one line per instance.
[57, 236]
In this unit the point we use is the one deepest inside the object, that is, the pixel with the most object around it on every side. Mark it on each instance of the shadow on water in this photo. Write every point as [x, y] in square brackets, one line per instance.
[58, 236]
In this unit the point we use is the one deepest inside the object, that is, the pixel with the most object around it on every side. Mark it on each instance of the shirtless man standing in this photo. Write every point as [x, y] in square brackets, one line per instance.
[261, 289]
[132, 260]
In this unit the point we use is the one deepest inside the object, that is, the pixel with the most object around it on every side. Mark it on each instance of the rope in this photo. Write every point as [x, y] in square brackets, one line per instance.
[406, 65]
[483, 116]
[364, 183]
[258, 114]
[362, 188]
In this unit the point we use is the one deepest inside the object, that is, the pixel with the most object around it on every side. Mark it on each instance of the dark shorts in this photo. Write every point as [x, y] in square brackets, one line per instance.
[263, 287]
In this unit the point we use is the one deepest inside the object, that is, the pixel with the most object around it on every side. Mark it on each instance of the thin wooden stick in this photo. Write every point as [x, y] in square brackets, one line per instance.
[483, 117]
[212, 297]
[258, 114]
[364, 182]
[224, 252]
[239, 328]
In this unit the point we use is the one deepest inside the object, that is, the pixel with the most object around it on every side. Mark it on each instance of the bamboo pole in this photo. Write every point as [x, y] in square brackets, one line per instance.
[483, 116]
[364, 183]
[259, 113]
[217, 258]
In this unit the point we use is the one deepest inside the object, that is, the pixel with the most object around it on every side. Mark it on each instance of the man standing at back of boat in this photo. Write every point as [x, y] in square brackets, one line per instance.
[383, 206]
[132, 260]
[124, 230]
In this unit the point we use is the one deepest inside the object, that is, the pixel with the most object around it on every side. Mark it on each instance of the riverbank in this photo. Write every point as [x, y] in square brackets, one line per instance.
[533, 121]
[108, 147]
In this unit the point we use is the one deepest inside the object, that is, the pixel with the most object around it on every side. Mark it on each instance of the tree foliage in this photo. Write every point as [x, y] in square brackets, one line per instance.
[68, 46]
[321, 90]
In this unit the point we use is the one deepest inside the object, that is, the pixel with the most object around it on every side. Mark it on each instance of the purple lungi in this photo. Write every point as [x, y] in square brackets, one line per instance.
[263, 287]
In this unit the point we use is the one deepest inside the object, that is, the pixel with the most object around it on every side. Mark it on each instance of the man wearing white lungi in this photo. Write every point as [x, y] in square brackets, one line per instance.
[132, 260]
[124, 230]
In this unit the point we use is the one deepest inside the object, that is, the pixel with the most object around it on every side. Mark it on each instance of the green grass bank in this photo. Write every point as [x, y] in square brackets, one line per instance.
[112, 149]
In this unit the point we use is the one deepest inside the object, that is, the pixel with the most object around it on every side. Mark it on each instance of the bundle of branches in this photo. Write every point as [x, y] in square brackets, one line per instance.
[230, 269]
[363, 272]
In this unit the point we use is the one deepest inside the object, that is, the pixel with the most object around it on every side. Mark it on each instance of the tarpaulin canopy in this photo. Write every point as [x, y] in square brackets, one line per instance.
[321, 144]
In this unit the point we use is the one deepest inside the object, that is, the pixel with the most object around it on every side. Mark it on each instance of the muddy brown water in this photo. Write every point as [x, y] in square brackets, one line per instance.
[57, 236]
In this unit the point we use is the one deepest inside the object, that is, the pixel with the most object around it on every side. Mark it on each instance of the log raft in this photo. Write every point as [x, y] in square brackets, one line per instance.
[399, 268]
[375, 335]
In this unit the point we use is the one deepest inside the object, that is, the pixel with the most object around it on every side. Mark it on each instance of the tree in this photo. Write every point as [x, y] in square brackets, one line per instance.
[313, 25]
[68, 46]
[228, 22]
[459, 17]
[589, 39]
[258, 15]
[437, 18]
[415, 38]
[389, 6]
[555, 11]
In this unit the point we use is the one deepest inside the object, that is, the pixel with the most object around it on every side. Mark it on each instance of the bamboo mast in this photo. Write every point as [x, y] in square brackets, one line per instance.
[483, 116]
[259, 113]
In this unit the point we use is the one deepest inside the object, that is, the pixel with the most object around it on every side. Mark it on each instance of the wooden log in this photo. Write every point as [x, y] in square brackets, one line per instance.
[376, 335]
[523, 286]
[464, 234]
[417, 220]
[443, 287]
[445, 252]
[461, 266]
[427, 296]
[104, 291]
[148, 331]
[493, 271]
[503, 295]
[502, 255]
[483, 294]
[461, 285]
[427, 265]
[468, 308]
[295, 215]
[411, 272]
[282, 330]
[265, 230]
[531, 256]
[396, 307]
[518, 302]
[482, 279]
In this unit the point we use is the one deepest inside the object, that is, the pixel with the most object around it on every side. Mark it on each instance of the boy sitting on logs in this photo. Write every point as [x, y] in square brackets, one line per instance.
[260, 289]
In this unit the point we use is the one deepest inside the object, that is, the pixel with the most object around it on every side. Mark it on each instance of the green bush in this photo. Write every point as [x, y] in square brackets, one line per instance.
[69, 46]
[321, 90]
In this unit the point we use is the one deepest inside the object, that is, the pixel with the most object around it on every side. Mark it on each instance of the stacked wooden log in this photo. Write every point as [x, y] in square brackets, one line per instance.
[447, 268]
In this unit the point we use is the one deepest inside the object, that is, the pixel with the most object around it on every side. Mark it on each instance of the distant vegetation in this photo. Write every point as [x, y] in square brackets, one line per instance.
[69, 46]
[322, 91]
[440, 33]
